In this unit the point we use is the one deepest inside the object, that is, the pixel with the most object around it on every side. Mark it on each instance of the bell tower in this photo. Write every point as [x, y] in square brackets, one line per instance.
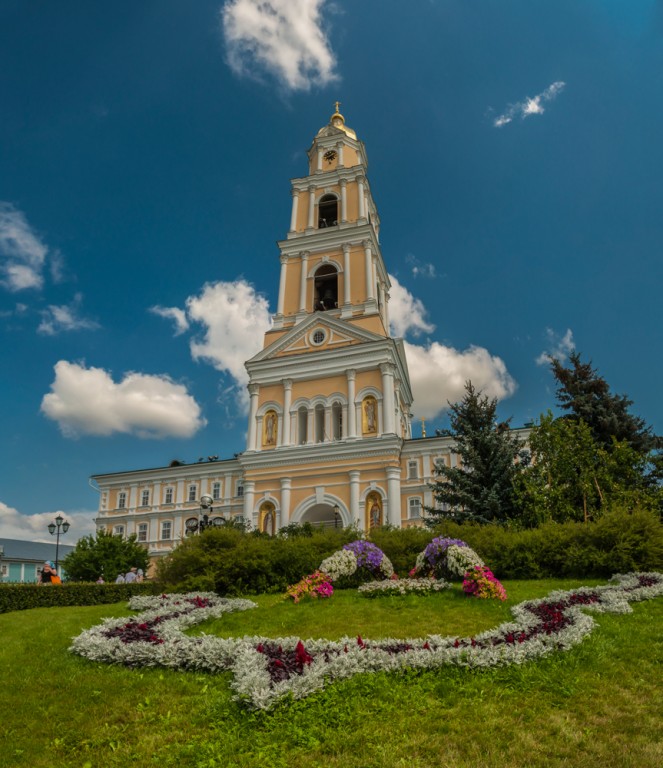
[330, 393]
[331, 259]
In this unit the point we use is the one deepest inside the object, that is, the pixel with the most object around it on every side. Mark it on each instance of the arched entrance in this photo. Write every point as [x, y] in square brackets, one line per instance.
[323, 516]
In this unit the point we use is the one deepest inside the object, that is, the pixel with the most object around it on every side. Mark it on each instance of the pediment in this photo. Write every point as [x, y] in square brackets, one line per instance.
[317, 333]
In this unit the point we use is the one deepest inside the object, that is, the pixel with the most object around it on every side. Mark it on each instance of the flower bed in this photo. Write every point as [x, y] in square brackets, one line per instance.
[266, 669]
[402, 587]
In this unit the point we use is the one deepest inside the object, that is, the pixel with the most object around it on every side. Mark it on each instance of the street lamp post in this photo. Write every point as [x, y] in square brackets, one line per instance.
[54, 529]
[337, 511]
[205, 519]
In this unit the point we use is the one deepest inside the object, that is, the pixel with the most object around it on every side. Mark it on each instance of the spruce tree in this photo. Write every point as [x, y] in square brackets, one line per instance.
[586, 396]
[481, 488]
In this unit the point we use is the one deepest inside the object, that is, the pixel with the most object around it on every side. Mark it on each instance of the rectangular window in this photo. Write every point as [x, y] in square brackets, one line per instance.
[4, 570]
[240, 489]
[142, 532]
[118, 530]
[166, 530]
[440, 462]
[121, 500]
[192, 492]
[216, 491]
[145, 498]
[412, 470]
[168, 498]
[415, 508]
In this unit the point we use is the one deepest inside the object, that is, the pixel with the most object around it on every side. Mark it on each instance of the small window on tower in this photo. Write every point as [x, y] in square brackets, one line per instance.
[318, 336]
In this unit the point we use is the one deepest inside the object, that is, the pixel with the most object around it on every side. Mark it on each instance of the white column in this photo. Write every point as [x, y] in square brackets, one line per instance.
[249, 495]
[133, 496]
[254, 389]
[156, 494]
[302, 281]
[293, 214]
[344, 200]
[354, 499]
[179, 496]
[228, 486]
[344, 421]
[362, 199]
[287, 401]
[339, 149]
[368, 262]
[329, 435]
[311, 207]
[386, 311]
[284, 266]
[203, 487]
[320, 154]
[310, 426]
[394, 495]
[258, 444]
[346, 273]
[352, 415]
[286, 485]
[386, 369]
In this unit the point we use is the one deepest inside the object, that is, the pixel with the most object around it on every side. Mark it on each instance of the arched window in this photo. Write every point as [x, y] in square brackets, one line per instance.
[319, 423]
[325, 291]
[337, 421]
[328, 211]
[302, 424]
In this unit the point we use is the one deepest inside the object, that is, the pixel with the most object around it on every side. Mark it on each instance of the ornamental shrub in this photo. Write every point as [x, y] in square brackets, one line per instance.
[19, 597]
[619, 542]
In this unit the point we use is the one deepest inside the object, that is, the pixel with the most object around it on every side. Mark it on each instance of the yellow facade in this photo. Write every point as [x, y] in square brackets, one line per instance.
[329, 436]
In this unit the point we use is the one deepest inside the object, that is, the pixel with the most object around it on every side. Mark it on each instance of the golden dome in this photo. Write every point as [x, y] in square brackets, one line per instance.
[338, 121]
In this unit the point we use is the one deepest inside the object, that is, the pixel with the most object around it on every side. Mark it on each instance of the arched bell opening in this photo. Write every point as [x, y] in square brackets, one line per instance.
[328, 211]
[325, 288]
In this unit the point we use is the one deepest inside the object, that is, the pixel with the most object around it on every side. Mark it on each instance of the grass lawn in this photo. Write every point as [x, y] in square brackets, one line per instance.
[600, 704]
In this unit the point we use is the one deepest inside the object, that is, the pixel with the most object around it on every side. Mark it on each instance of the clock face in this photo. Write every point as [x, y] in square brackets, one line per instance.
[330, 155]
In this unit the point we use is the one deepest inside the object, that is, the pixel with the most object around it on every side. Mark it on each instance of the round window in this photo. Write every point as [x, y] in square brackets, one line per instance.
[318, 336]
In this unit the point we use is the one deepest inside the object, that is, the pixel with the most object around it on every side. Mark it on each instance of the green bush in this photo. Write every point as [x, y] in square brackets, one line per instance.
[235, 563]
[401, 545]
[232, 562]
[618, 542]
[19, 597]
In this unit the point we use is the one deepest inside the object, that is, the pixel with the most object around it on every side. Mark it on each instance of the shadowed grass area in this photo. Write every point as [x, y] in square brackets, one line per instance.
[597, 705]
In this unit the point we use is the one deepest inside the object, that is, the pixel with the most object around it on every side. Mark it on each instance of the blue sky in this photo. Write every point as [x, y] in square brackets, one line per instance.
[145, 155]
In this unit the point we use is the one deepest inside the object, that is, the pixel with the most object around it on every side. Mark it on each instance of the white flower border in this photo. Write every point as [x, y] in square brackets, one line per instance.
[342, 659]
[390, 587]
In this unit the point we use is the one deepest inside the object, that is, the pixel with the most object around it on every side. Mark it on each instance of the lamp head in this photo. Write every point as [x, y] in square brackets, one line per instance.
[51, 528]
[206, 501]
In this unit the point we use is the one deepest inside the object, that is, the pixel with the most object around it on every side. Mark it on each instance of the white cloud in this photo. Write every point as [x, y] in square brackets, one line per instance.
[14, 525]
[282, 37]
[559, 347]
[177, 315]
[406, 314]
[438, 374]
[530, 105]
[86, 401]
[23, 253]
[65, 318]
[235, 319]
[420, 268]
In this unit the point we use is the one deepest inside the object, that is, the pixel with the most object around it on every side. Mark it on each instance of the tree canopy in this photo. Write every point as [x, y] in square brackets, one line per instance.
[586, 396]
[104, 555]
[482, 487]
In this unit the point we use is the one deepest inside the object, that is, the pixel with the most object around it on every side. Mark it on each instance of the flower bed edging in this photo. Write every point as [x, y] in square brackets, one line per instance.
[266, 669]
